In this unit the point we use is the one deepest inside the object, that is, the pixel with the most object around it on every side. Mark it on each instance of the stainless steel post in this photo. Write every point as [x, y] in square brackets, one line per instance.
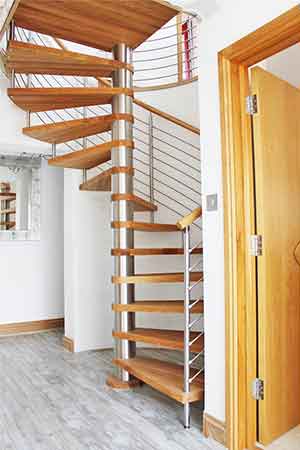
[151, 165]
[11, 37]
[28, 113]
[186, 234]
[53, 150]
[84, 139]
[122, 183]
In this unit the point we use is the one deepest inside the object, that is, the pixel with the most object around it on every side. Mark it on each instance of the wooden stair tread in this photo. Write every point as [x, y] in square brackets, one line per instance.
[140, 205]
[164, 376]
[89, 157]
[158, 306]
[101, 182]
[152, 251]
[162, 338]
[177, 277]
[27, 58]
[57, 133]
[46, 99]
[146, 226]
[7, 196]
[79, 21]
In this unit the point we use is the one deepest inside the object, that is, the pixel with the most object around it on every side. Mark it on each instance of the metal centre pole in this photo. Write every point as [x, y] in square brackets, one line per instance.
[122, 210]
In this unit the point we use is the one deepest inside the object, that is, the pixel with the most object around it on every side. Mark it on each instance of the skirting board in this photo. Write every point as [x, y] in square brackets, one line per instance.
[68, 344]
[214, 429]
[31, 327]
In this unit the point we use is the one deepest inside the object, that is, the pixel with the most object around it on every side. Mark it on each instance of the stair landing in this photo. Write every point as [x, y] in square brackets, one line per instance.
[97, 24]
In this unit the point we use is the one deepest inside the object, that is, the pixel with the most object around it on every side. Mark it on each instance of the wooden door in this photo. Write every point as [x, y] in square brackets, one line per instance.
[276, 136]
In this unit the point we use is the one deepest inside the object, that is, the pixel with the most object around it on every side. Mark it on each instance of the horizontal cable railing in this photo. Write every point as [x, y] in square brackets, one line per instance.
[167, 151]
[170, 56]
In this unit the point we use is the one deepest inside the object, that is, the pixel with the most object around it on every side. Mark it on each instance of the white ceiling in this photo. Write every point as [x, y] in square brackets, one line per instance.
[204, 7]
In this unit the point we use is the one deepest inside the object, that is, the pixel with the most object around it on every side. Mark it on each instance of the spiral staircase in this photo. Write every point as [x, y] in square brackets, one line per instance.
[116, 27]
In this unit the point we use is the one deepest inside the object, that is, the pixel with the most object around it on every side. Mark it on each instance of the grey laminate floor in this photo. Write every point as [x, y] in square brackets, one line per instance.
[53, 400]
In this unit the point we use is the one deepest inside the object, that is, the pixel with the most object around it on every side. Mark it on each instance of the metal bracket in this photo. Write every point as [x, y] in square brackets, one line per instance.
[251, 104]
[256, 245]
[258, 389]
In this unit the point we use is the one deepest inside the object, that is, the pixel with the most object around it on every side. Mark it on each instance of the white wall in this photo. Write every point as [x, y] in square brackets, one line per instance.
[182, 101]
[226, 22]
[88, 266]
[32, 272]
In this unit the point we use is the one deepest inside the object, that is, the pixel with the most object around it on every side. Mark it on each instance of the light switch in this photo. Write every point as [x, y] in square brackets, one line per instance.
[212, 202]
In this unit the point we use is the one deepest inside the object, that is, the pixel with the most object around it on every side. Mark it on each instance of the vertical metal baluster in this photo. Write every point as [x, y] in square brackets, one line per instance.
[53, 150]
[186, 237]
[28, 113]
[84, 140]
[151, 165]
[11, 37]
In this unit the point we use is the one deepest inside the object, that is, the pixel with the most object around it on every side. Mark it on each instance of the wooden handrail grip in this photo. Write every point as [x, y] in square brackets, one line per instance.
[167, 116]
[183, 223]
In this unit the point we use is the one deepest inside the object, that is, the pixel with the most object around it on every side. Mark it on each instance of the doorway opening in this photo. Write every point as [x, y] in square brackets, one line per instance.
[261, 153]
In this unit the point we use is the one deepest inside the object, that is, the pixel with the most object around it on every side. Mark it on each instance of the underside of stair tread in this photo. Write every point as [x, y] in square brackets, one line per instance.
[158, 306]
[8, 224]
[101, 182]
[89, 157]
[152, 251]
[177, 277]
[29, 58]
[140, 205]
[98, 24]
[169, 339]
[57, 133]
[46, 99]
[146, 226]
[165, 377]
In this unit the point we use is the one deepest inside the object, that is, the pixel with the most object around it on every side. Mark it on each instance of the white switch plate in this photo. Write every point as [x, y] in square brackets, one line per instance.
[212, 202]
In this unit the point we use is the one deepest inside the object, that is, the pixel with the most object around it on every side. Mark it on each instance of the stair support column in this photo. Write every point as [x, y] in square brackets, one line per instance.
[122, 183]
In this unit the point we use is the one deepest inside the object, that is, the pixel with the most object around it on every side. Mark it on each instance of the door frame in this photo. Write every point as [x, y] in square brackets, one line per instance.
[239, 219]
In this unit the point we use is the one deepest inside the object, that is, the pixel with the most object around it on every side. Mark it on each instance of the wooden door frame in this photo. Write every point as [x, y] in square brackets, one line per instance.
[239, 215]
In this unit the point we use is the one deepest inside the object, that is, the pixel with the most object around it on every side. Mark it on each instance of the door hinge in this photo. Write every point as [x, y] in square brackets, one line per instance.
[256, 245]
[258, 389]
[251, 104]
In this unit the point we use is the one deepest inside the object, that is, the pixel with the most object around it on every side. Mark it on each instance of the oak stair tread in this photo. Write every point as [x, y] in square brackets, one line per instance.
[28, 58]
[158, 306]
[89, 157]
[177, 277]
[146, 226]
[46, 99]
[140, 205]
[170, 339]
[165, 377]
[152, 251]
[69, 130]
[78, 21]
[7, 196]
